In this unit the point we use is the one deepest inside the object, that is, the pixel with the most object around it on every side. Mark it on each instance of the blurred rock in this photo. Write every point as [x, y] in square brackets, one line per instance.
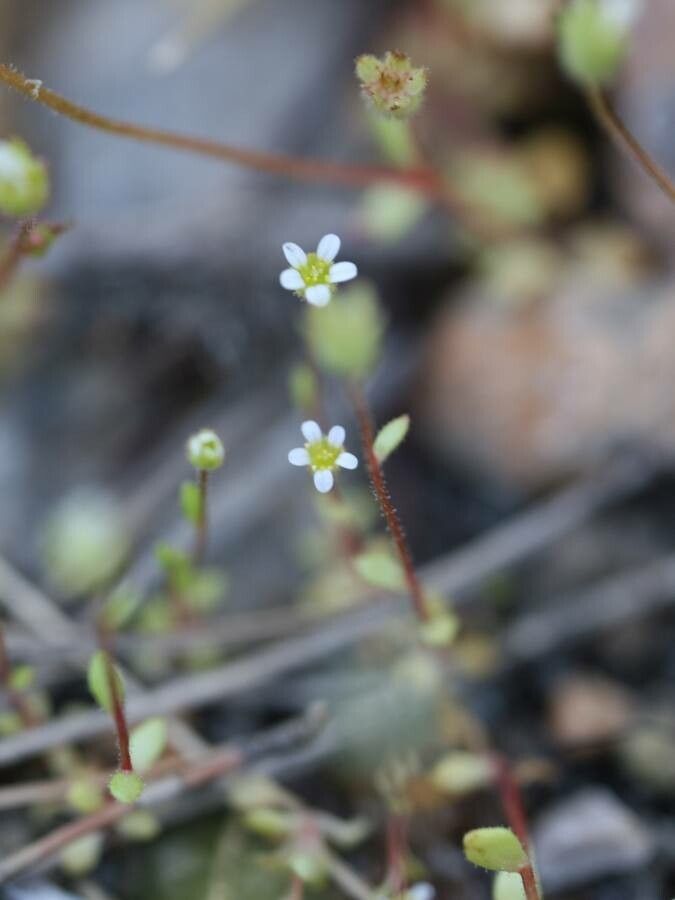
[588, 709]
[647, 752]
[538, 394]
[589, 836]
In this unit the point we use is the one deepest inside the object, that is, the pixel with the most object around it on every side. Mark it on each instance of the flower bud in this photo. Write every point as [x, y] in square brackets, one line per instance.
[205, 451]
[24, 180]
[392, 84]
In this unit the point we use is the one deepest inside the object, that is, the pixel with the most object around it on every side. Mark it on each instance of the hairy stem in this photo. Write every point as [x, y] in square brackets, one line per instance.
[514, 810]
[118, 713]
[626, 140]
[425, 181]
[419, 602]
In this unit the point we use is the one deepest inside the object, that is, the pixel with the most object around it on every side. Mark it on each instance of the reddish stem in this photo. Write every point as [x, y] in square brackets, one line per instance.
[118, 714]
[387, 508]
[397, 842]
[514, 810]
[12, 256]
[423, 180]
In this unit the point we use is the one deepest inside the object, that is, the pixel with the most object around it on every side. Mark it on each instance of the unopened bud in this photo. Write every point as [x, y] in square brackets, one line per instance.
[24, 180]
[205, 451]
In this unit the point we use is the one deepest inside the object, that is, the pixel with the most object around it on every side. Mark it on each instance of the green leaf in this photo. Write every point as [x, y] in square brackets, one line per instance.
[84, 795]
[381, 570]
[497, 849]
[190, 501]
[389, 213]
[390, 436]
[345, 336]
[21, 678]
[460, 773]
[139, 825]
[120, 607]
[176, 564]
[147, 743]
[440, 630]
[508, 886]
[592, 43]
[82, 855]
[99, 685]
[126, 787]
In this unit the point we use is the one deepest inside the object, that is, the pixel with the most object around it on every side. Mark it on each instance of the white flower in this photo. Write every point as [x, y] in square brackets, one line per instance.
[313, 276]
[322, 454]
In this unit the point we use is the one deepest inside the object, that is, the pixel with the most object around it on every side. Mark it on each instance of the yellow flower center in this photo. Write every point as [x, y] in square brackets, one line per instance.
[315, 270]
[323, 455]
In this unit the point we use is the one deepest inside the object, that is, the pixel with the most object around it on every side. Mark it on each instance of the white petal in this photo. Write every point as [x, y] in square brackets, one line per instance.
[298, 457]
[323, 481]
[329, 247]
[311, 431]
[295, 255]
[318, 294]
[347, 461]
[421, 891]
[291, 279]
[336, 435]
[342, 271]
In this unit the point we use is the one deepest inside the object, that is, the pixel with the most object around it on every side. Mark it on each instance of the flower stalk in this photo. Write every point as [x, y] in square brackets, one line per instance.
[379, 484]
[15, 698]
[425, 181]
[514, 810]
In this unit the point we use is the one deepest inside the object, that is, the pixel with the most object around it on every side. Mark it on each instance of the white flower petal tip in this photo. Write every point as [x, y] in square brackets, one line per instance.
[295, 255]
[318, 295]
[323, 481]
[329, 247]
[292, 280]
[336, 436]
[298, 457]
[421, 891]
[347, 460]
[311, 431]
[342, 271]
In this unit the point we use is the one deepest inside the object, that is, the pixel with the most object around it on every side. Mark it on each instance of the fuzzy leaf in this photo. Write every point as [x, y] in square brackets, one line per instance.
[147, 743]
[390, 436]
[381, 570]
[497, 849]
[97, 679]
[126, 787]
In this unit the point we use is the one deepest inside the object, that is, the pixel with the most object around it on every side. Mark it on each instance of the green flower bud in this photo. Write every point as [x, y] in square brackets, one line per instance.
[497, 849]
[205, 451]
[592, 41]
[24, 180]
[126, 787]
[84, 796]
[81, 856]
[392, 84]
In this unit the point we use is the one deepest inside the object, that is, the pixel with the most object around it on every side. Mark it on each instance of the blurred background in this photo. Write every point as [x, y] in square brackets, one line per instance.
[533, 353]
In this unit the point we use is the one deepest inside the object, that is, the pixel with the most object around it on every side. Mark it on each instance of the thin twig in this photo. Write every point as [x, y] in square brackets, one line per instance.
[626, 141]
[422, 180]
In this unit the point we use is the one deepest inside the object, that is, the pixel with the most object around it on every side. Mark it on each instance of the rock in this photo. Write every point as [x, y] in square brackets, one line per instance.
[538, 394]
[588, 709]
[589, 836]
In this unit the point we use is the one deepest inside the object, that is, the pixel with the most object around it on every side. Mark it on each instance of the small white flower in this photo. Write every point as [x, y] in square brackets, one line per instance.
[323, 454]
[313, 276]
